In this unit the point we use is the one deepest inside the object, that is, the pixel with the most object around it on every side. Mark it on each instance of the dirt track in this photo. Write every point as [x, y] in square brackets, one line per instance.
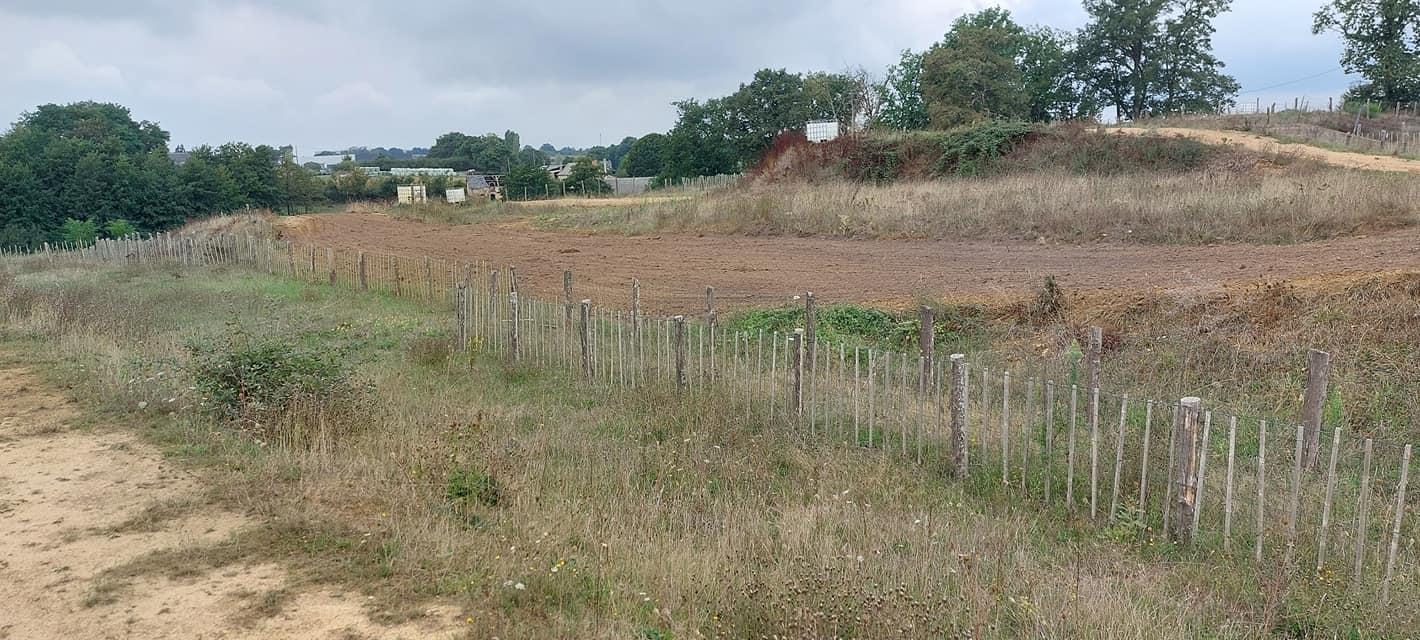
[1265, 144]
[65, 492]
[675, 269]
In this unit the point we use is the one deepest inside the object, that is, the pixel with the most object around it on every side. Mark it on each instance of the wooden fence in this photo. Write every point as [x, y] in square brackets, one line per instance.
[1309, 503]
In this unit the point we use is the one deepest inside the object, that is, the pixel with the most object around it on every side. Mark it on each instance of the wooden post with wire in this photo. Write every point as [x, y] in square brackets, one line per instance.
[1318, 378]
[958, 415]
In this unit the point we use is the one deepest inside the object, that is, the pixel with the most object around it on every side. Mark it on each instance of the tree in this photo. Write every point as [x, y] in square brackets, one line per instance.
[841, 97]
[79, 232]
[586, 177]
[900, 95]
[1382, 44]
[774, 101]
[119, 228]
[1053, 84]
[527, 182]
[297, 185]
[972, 73]
[646, 157]
[1149, 57]
[699, 144]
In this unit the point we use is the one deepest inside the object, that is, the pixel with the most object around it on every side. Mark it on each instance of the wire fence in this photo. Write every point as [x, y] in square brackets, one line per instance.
[1243, 488]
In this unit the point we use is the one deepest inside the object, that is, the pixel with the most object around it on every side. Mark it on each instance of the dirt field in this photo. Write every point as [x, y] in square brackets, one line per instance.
[674, 270]
[68, 499]
[1272, 145]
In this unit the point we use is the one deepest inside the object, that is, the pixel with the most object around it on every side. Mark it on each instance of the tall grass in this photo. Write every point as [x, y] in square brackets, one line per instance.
[1294, 204]
[546, 509]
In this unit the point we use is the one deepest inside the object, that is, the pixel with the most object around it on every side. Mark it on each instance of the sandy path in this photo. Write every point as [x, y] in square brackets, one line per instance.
[1265, 144]
[675, 269]
[60, 486]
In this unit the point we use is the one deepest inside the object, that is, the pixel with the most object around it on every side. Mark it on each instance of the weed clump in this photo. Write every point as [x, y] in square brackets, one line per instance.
[259, 381]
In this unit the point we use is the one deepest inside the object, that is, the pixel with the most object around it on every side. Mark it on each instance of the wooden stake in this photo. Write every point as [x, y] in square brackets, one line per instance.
[926, 340]
[1326, 505]
[1261, 490]
[1395, 527]
[958, 414]
[1202, 469]
[796, 373]
[1318, 377]
[585, 336]
[1185, 478]
[1070, 452]
[1005, 428]
[1049, 438]
[1094, 451]
[1363, 511]
[567, 295]
[360, 269]
[811, 330]
[1228, 490]
[516, 312]
[1144, 460]
[1118, 458]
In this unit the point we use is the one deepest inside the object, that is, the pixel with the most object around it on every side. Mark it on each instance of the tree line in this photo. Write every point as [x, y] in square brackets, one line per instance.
[85, 169]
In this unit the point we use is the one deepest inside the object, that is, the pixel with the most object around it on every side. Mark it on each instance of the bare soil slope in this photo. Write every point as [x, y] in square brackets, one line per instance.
[675, 269]
[1265, 144]
[65, 494]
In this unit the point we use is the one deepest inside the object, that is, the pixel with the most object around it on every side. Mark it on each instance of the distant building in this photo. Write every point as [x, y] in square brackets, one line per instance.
[559, 171]
[179, 158]
[484, 186]
[326, 163]
[402, 172]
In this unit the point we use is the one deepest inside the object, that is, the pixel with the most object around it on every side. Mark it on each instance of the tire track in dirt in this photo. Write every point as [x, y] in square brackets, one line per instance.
[63, 489]
[758, 271]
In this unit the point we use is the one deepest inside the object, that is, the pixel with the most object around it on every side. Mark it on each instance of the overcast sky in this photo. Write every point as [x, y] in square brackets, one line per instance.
[335, 73]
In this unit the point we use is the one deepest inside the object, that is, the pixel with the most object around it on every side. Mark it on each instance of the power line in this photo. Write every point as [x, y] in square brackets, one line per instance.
[1283, 84]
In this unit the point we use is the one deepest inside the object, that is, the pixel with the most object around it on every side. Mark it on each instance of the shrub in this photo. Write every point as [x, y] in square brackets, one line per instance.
[470, 485]
[119, 228]
[973, 150]
[80, 232]
[252, 380]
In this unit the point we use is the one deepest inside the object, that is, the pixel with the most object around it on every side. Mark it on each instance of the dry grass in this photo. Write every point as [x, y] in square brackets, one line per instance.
[616, 516]
[1280, 205]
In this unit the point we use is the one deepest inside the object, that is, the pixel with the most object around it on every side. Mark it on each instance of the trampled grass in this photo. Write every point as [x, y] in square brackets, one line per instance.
[547, 508]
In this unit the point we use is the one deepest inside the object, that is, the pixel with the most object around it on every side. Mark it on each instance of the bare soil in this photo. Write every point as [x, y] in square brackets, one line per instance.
[1256, 142]
[64, 489]
[765, 271]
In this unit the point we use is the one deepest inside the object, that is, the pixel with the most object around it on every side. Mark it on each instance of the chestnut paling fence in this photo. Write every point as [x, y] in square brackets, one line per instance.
[1247, 488]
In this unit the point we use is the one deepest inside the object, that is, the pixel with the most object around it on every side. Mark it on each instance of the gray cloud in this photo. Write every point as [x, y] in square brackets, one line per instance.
[331, 73]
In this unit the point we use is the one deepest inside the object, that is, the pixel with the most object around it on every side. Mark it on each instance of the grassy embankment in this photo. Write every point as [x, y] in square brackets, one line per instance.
[546, 508]
[1067, 185]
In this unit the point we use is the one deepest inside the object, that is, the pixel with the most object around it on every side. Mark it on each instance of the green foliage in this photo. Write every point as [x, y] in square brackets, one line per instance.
[297, 186]
[467, 485]
[119, 228]
[970, 151]
[972, 74]
[248, 378]
[1151, 57]
[528, 182]
[586, 177]
[79, 232]
[1382, 45]
[901, 105]
[487, 153]
[645, 158]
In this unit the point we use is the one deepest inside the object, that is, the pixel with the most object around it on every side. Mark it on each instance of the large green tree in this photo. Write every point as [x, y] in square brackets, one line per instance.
[645, 158]
[1149, 57]
[972, 74]
[586, 177]
[900, 95]
[1382, 44]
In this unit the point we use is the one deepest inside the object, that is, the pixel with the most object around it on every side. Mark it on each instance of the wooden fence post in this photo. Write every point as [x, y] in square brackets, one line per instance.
[680, 342]
[1363, 509]
[958, 417]
[360, 271]
[1186, 473]
[515, 335]
[927, 340]
[1326, 505]
[1296, 500]
[460, 312]
[796, 372]
[635, 309]
[1395, 527]
[582, 330]
[567, 295]
[330, 264]
[1092, 363]
[811, 329]
[1318, 378]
